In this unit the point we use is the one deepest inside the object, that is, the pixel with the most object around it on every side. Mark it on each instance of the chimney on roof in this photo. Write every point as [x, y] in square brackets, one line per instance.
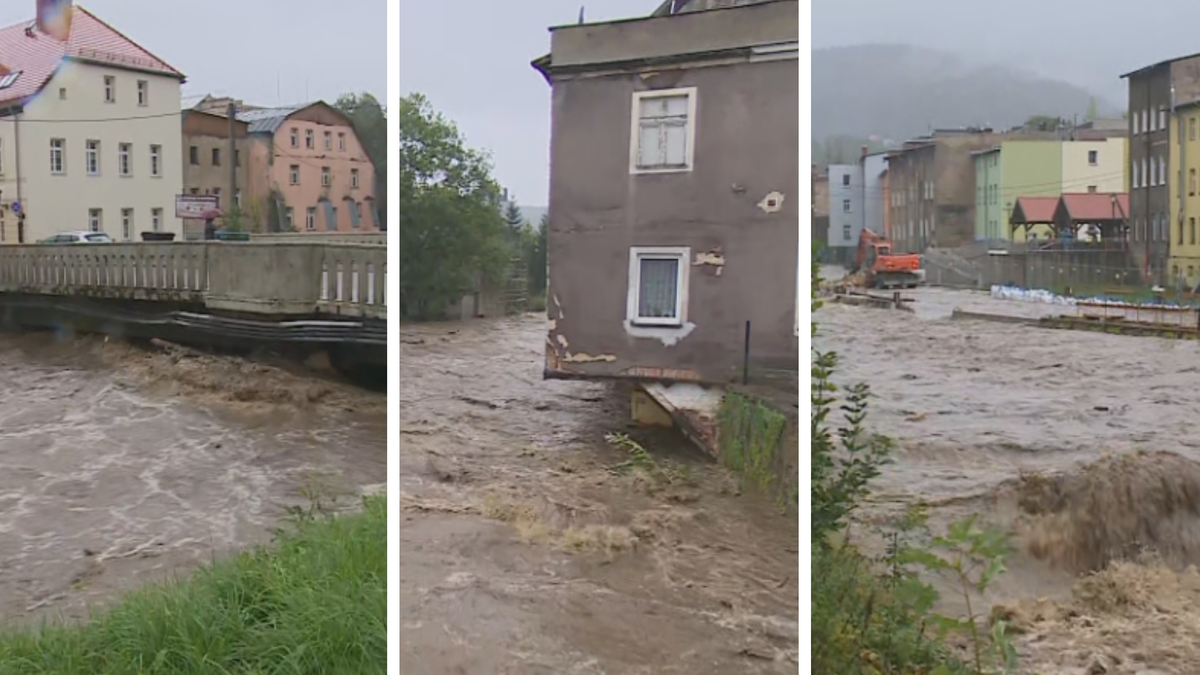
[864, 151]
[29, 31]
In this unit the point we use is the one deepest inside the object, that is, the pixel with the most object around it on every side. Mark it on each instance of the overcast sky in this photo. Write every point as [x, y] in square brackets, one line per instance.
[471, 59]
[1086, 43]
[262, 51]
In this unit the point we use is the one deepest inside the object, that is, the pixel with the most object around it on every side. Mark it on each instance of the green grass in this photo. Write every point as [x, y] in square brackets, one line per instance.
[313, 602]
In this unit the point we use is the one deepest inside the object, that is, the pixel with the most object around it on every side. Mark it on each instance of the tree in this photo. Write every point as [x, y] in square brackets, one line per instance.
[1093, 110]
[1046, 123]
[536, 257]
[514, 217]
[451, 232]
[369, 118]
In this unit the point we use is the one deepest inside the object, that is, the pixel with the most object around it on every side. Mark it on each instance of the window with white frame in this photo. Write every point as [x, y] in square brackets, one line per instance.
[328, 140]
[326, 176]
[289, 218]
[143, 91]
[658, 279]
[845, 206]
[1162, 117]
[1146, 180]
[91, 157]
[295, 137]
[95, 219]
[127, 224]
[58, 156]
[341, 141]
[124, 160]
[156, 219]
[310, 218]
[156, 161]
[1093, 157]
[1137, 175]
[354, 178]
[1134, 126]
[110, 89]
[1145, 120]
[1162, 171]
[294, 174]
[309, 143]
[664, 130]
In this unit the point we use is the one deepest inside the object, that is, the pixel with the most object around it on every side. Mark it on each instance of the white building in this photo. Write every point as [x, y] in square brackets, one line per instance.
[89, 134]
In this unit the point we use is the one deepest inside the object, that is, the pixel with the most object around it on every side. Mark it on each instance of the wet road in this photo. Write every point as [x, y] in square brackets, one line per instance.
[120, 466]
[523, 553]
[1019, 424]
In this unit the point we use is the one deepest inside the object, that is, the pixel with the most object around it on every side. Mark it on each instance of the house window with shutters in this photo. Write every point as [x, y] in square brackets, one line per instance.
[663, 131]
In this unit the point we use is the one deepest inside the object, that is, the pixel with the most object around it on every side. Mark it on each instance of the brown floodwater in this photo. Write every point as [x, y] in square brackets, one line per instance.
[1081, 445]
[526, 549]
[120, 465]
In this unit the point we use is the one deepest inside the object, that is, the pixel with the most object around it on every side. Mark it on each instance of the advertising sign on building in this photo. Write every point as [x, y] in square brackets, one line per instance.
[194, 206]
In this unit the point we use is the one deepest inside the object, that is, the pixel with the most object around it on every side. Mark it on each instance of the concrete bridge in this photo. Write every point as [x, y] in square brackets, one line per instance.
[286, 294]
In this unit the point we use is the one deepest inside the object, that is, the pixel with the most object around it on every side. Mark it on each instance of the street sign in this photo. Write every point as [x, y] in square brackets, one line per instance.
[193, 206]
[16, 207]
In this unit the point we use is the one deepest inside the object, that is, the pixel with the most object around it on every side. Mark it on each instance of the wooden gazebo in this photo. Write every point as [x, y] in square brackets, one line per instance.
[1031, 211]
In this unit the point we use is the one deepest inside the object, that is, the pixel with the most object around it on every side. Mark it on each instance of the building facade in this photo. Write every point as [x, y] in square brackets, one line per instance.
[932, 189]
[89, 134]
[1153, 92]
[855, 203]
[206, 162]
[307, 167]
[1184, 247]
[670, 161]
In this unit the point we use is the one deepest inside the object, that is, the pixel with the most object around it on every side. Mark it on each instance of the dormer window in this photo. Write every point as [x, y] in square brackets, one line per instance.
[9, 79]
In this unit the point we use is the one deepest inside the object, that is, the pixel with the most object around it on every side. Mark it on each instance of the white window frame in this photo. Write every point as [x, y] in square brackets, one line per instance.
[1134, 126]
[1162, 171]
[310, 139]
[125, 159]
[289, 215]
[295, 137]
[353, 178]
[156, 161]
[310, 218]
[95, 220]
[636, 253]
[689, 136]
[91, 157]
[1093, 157]
[328, 140]
[110, 89]
[156, 219]
[326, 176]
[58, 147]
[127, 223]
[341, 141]
[143, 93]
[294, 174]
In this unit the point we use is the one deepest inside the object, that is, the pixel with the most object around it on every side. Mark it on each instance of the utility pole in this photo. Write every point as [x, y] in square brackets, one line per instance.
[232, 204]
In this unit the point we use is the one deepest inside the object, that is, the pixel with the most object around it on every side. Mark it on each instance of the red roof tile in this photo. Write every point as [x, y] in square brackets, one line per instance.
[1034, 210]
[1095, 206]
[91, 39]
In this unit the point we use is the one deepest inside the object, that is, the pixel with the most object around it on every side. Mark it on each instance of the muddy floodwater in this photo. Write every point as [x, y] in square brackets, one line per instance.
[120, 466]
[527, 547]
[1083, 446]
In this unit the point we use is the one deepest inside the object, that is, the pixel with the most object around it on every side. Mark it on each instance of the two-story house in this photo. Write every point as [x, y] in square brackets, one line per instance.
[673, 218]
[308, 160]
[206, 163]
[89, 133]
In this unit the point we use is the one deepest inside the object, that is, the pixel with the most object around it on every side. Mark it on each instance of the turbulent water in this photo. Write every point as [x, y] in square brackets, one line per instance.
[1082, 445]
[525, 548]
[120, 466]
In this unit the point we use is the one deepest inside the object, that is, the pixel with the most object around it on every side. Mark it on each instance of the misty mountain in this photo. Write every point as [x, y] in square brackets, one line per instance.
[896, 92]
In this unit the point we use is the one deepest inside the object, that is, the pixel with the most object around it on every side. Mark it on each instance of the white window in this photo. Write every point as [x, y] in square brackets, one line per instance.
[237, 197]
[664, 130]
[156, 219]
[310, 218]
[341, 142]
[143, 89]
[295, 137]
[156, 161]
[95, 219]
[308, 139]
[845, 206]
[1134, 125]
[846, 232]
[1162, 117]
[1137, 175]
[58, 156]
[1, 156]
[289, 219]
[1093, 157]
[294, 174]
[62, 93]
[328, 140]
[658, 286]
[1162, 171]
[124, 160]
[92, 157]
[845, 180]
[1153, 122]
[326, 177]
[1145, 120]
[354, 178]
[127, 224]
[1146, 180]
[110, 89]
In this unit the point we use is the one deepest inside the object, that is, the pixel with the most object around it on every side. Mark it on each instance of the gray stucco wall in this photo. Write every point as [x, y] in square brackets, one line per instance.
[744, 257]
[845, 205]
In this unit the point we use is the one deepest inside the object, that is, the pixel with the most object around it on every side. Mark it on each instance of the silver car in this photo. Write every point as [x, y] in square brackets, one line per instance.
[81, 237]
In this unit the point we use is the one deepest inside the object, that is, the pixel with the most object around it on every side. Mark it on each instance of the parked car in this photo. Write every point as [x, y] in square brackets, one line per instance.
[82, 237]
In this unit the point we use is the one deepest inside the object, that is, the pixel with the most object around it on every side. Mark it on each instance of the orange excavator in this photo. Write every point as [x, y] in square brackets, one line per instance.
[880, 268]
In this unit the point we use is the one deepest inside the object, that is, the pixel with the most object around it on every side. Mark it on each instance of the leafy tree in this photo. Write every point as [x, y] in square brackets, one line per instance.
[452, 233]
[369, 118]
[1046, 123]
[536, 257]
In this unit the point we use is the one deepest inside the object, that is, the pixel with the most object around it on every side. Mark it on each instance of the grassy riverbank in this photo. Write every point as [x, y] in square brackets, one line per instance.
[314, 602]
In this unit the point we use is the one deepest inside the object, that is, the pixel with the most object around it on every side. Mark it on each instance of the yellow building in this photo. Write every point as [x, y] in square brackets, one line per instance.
[1184, 251]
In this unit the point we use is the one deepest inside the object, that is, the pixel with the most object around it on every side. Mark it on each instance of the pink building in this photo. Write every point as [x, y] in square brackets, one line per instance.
[307, 162]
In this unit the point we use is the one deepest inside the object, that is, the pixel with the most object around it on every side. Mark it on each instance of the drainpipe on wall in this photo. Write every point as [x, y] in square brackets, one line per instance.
[1182, 169]
[17, 149]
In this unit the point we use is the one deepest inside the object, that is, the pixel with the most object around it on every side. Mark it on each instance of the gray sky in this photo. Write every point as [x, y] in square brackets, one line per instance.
[471, 59]
[1086, 43]
[330, 47]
